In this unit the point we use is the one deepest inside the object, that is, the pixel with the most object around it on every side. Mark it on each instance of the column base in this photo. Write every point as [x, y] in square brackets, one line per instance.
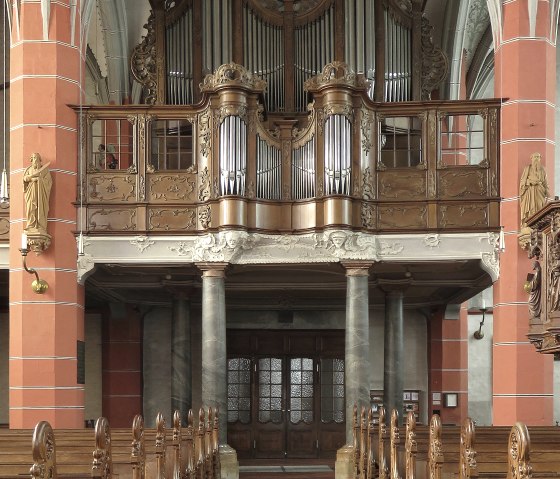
[228, 462]
[345, 465]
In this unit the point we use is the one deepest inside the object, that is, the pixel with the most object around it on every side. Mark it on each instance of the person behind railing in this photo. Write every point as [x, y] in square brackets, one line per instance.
[107, 158]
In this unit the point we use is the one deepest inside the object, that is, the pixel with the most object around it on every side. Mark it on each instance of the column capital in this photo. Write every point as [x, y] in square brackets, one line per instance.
[213, 270]
[357, 268]
[394, 287]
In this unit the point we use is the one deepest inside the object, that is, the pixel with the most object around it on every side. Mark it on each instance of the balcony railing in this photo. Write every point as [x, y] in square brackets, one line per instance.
[414, 166]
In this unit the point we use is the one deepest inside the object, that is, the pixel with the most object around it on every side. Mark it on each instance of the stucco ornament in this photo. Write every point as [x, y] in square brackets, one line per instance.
[37, 184]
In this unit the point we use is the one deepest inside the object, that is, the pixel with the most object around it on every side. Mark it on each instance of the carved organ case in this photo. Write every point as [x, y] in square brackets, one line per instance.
[287, 42]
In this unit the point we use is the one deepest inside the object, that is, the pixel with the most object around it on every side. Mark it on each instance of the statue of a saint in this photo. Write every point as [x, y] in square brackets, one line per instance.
[37, 183]
[533, 188]
[534, 290]
[554, 284]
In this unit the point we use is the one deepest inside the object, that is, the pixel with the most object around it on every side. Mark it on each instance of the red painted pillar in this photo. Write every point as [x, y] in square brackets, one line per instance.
[44, 329]
[525, 67]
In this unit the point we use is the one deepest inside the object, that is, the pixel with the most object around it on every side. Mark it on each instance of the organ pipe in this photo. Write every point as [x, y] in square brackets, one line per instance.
[269, 169]
[303, 171]
[398, 59]
[337, 151]
[233, 155]
[178, 46]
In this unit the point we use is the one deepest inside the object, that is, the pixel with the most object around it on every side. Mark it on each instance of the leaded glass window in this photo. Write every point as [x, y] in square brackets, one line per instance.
[270, 390]
[301, 390]
[239, 390]
[332, 390]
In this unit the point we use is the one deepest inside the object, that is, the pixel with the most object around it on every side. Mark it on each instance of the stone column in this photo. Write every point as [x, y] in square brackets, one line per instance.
[44, 328]
[356, 340]
[393, 353]
[181, 373]
[214, 361]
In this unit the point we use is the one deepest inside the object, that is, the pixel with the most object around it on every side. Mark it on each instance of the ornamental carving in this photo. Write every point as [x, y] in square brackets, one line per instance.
[467, 454]
[459, 184]
[410, 445]
[366, 124]
[519, 464]
[232, 74]
[554, 275]
[402, 185]
[102, 466]
[112, 220]
[382, 437]
[172, 219]
[223, 246]
[399, 217]
[142, 243]
[533, 289]
[435, 450]
[342, 244]
[339, 74]
[334, 109]
[204, 188]
[456, 216]
[205, 217]
[143, 62]
[229, 110]
[368, 215]
[176, 187]
[205, 133]
[368, 187]
[4, 226]
[103, 188]
[395, 440]
[44, 452]
[435, 64]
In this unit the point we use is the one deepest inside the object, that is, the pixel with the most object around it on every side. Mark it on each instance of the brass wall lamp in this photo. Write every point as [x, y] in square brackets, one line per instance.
[38, 285]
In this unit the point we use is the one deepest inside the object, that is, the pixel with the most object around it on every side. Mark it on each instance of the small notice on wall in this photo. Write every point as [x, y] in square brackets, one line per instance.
[436, 399]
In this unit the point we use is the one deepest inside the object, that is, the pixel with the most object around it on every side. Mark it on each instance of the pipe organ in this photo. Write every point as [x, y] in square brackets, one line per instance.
[286, 43]
[337, 148]
[233, 155]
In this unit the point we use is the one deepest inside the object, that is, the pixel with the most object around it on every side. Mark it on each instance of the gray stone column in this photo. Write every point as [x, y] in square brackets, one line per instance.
[394, 350]
[181, 373]
[356, 340]
[214, 361]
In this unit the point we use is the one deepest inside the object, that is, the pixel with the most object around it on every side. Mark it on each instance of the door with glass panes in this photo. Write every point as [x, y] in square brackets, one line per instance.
[283, 405]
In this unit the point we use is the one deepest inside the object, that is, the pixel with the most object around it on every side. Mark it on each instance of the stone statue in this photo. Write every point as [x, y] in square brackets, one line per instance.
[37, 183]
[533, 188]
[534, 290]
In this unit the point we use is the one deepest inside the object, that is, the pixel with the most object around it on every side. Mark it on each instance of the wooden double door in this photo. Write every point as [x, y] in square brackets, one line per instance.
[286, 393]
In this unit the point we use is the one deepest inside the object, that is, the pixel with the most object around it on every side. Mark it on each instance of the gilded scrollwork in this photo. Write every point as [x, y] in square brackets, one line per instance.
[177, 187]
[205, 216]
[435, 64]
[232, 74]
[204, 188]
[143, 62]
[368, 186]
[44, 452]
[113, 220]
[104, 188]
[205, 132]
[171, 219]
[142, 243]
[395, 440]
[336, 73]
[366, 124]
[519, 463]
[410, 446]
[367, 215]
[435, 450]
[382, 437]
[229, 110]
[334, 109]
[467, 454]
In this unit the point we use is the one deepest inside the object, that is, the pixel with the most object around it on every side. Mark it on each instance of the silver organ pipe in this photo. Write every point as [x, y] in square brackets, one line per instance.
[178, 47]
[263, 51]
[360, 39]
[338, 155]
[314, 48]
[233, 155]
[216, 19]
[269, 171]
[398, 59]
[303, 171]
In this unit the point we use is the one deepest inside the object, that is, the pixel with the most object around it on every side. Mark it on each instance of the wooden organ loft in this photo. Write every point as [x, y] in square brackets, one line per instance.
[294, 139]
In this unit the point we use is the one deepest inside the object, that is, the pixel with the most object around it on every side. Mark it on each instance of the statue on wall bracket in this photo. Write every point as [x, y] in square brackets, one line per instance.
[533, 194]
[37, 184]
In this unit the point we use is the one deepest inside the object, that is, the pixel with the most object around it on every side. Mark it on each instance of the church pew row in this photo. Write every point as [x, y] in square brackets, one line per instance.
[190, 453]
[430, 453]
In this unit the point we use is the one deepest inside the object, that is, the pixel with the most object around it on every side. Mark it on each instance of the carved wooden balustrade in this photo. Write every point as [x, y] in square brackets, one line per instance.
[378, 167]
[366, 467]
[201, 444]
